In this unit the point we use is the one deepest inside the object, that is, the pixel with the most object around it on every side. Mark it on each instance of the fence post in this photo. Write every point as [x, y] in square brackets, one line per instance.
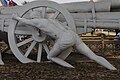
[103, 44]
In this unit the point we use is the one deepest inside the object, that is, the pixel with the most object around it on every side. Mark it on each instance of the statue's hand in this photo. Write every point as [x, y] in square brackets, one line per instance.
[15, 16]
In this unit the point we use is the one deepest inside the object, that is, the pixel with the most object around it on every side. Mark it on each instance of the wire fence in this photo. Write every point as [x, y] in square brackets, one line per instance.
[100, 46]
[107, 46]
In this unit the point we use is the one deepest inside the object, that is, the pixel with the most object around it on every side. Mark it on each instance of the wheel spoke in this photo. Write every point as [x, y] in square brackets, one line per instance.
[55, 15]
[39, 53]
[30, 48]
[24, 42]
[46, 48]
[43, 12]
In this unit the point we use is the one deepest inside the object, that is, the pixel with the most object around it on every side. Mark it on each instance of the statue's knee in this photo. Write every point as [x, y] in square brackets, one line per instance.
[48, 57]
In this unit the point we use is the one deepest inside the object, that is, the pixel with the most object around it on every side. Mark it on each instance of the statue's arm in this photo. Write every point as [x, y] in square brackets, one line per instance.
[65, 26]
[24, 21]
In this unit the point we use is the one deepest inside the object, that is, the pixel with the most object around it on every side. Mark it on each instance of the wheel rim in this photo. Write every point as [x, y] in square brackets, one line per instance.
[33, 39]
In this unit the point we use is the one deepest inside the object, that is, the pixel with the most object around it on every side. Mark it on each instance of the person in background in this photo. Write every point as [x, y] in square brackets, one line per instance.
[117, 41]
[8, 3]
[4, 3]
[14, 3]
[92, 32]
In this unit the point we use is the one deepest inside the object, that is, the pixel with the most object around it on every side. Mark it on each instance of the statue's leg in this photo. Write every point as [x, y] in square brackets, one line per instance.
[1, 62]
[53, 56]
[83, 49]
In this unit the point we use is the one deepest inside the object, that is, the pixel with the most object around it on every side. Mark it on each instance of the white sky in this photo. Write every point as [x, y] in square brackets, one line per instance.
[59, 1]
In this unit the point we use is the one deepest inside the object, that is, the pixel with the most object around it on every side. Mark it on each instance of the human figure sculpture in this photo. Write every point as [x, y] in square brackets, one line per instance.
[1, 62]
[65, 38]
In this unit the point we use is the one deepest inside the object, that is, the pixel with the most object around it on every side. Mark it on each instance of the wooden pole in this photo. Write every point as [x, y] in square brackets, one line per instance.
[99, 16]
[105, 25]
[86, 6]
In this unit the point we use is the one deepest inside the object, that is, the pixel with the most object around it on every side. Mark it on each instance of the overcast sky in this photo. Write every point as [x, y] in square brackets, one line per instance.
[59, 1]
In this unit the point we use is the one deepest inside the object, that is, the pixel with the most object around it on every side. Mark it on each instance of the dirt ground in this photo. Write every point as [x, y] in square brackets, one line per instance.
[85, 69]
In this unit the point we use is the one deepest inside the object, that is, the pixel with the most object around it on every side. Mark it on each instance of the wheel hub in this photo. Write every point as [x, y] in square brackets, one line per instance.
[38, 35]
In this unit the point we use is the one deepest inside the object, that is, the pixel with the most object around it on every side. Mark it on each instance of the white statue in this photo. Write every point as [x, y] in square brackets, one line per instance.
[1, 62]
[65, 38]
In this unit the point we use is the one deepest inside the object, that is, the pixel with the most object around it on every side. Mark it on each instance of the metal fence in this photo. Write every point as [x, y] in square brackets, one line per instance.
[107, 46]
[101, 46]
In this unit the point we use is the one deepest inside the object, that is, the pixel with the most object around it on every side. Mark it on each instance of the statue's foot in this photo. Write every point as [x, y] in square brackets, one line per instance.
[61, 62]
[1, 62]
[113, 68]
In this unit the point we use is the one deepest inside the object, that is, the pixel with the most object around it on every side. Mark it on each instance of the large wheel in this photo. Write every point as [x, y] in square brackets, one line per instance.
[34, 41]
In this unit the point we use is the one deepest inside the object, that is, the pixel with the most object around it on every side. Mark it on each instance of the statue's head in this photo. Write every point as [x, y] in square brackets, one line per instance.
[35, 14]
